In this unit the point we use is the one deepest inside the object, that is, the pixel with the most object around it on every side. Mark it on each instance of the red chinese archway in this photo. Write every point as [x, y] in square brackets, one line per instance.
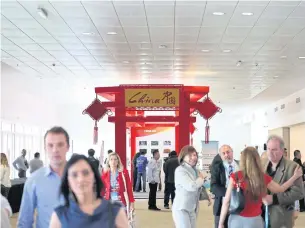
[129, 102]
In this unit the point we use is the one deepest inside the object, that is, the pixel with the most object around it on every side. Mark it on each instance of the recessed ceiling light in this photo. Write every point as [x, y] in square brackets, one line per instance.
[276, 76]
[111, 33]
[283, 57]
[88, 33]
[226, 50]
[247, 14]
[126, 62]
[42, 13]
[302, 57]
[205, 50]
[162, 46]
[218, 13]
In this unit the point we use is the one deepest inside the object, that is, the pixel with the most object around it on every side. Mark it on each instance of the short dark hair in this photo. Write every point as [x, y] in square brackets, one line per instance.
[58, 130]
[37, 155]
[296, 152]
[143, 152]
[110, 151]
[155, 151]
[64, 187]
[173, 153]
[91, 152]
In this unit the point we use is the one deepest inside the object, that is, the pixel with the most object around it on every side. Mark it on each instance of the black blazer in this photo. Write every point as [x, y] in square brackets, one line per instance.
[218, 183]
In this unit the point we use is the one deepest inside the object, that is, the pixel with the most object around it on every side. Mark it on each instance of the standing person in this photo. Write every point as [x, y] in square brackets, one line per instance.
[169, 170]
[153, 180]
[135, 171]
[35, 163]
[254, 183]
[92, 159]
[141, 171]
[41, 189]
[281, 205]
[21, 164]
[297, 159]
[188, 183]
[117, 182]
[5, 176]
[87, 208]
[221, 169]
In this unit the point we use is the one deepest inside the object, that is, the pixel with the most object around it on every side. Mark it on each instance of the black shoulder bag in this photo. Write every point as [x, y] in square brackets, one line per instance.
[237, 202]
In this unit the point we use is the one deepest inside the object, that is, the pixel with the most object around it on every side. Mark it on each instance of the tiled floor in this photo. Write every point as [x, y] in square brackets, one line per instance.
[163, 219]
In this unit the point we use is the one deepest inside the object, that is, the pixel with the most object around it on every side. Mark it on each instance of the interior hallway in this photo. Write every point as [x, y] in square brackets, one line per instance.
[163, 219]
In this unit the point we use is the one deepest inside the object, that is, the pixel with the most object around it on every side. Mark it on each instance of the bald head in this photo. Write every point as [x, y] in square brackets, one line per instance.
[226, 153]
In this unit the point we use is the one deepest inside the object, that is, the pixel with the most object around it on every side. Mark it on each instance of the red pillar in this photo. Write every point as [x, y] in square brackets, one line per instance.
[133, 135]
[184, 119]
[177, 148]
[120, 126]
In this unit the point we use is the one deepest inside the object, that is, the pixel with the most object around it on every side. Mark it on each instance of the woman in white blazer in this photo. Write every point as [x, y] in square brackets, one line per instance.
[188, 183]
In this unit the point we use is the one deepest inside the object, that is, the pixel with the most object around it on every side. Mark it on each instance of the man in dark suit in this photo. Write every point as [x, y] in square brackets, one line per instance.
[169, 170]
[297, 159]
[222, 167]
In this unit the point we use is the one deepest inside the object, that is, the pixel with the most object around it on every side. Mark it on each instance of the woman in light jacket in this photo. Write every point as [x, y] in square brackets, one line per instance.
[188, 183]
[5, 176]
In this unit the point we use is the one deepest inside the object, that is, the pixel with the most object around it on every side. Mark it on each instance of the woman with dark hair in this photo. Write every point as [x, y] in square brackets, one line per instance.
[188, 182]
[84, 207]
[254, 184]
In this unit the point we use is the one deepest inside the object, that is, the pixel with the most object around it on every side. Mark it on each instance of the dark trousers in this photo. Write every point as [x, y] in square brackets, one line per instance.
[21, 173]
[216, 221]
[169, 191]
[5, 191]
[152, 195]
[302, 204]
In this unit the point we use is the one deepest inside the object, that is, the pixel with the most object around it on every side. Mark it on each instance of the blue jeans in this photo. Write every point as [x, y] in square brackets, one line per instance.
[139, 175]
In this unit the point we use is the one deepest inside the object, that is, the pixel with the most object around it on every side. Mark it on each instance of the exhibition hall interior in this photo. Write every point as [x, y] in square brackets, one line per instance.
[137, 87]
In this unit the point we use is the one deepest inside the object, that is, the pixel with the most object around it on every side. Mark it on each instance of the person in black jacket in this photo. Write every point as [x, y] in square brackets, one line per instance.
[297, 159]
[169, 170]
[92, 159]
[223, 165]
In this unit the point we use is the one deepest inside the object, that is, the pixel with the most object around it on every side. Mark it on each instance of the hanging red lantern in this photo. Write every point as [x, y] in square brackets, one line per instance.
[207, 109]
[96, 110]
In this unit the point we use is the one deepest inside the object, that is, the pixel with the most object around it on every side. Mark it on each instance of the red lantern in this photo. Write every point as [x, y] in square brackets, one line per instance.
[96, 110]
[207, 109]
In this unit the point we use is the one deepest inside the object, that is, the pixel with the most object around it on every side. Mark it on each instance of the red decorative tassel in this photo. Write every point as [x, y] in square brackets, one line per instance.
[207, 132]
[95, 134]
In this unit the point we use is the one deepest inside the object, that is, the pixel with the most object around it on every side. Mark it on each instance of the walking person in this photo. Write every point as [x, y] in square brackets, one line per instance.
[5, 176]
[21, 164]
[281, 205]
[40, 193]
[92, 159]
[188, 182]
[222, 167]
[254, 184]
[153, 178]
[297, 159]
[36, 163]
[141, 171]
[169, 170]
[86, 208]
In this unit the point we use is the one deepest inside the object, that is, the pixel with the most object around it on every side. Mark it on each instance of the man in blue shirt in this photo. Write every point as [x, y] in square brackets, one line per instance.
[141, 168]
[41, 190]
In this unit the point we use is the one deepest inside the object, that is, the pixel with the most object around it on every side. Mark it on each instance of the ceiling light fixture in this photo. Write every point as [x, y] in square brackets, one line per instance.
[283, 57]
[88, 33]
[111, 33]
[276, 76]
[302, 57]
[42, 13]
[218, 13]
[125, 62]
[205, 50]
[226, 50]
[162, 46]
[247, 14]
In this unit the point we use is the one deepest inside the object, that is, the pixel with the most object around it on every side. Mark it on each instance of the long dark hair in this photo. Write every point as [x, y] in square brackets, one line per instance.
[64, 188]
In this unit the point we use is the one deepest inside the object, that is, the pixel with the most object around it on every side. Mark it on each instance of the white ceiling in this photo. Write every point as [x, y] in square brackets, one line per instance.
[269, 43]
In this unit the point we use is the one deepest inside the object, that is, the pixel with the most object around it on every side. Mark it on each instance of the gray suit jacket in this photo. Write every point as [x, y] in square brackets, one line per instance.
[188, 188]
[281, 214]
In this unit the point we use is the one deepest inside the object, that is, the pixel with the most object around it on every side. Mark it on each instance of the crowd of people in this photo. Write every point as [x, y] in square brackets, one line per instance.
[84, 192]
